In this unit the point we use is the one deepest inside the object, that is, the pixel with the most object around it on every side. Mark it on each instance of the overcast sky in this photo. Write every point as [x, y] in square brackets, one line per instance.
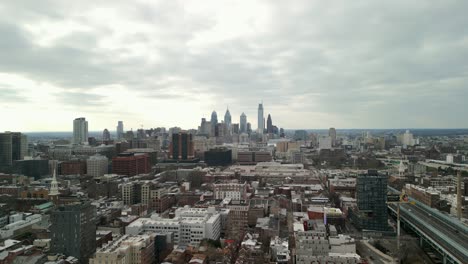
[315, 64]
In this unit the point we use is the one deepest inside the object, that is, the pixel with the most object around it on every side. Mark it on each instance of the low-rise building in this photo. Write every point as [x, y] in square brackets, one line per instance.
[127, 249]
[233, 190]
[19, 223]
[189, 226]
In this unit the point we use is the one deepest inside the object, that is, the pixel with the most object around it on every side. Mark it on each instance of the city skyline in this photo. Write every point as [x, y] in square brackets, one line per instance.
[345, 65]
[224, 131]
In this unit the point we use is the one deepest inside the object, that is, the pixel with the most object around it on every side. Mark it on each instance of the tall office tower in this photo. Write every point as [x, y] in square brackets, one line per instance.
[281, 131]
[105, 135]
[332, 134]
[205, 127]
[235, 128]
[261, 119]
[249, 128]
[243, 123]
[371, 195]
[227, 119]
[13, 146]
[120, 130]
[181, 147]
[73, 230]
[214, 122]
[80, 131]
[408, 139]
[269, 125]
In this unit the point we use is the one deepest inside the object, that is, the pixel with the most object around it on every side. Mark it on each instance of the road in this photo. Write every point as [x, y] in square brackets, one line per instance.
[453, 241]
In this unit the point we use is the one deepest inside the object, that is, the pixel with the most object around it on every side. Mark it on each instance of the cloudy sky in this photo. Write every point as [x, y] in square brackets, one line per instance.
[315, 64]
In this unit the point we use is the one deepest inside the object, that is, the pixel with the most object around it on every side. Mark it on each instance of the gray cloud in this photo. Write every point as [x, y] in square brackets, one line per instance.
[10, 95]
[364, 64]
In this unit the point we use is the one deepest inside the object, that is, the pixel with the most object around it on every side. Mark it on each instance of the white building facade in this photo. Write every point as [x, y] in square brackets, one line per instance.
[189, 226]
[97, 165]
[80, 131]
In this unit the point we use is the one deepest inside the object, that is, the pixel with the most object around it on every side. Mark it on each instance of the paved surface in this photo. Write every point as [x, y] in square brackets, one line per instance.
[449, 238]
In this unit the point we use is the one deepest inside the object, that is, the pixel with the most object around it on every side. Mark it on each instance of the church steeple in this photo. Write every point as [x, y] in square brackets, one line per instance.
[54, 189]
[401, 168]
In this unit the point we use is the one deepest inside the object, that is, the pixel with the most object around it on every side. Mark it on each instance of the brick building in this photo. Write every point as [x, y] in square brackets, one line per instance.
[72, 167]
[131, 164]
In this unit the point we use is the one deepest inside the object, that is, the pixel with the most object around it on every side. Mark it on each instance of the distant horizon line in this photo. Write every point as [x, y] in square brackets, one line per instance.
[409, 128]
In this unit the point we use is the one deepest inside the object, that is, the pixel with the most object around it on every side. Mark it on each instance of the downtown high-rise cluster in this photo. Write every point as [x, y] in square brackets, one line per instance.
[229, 191]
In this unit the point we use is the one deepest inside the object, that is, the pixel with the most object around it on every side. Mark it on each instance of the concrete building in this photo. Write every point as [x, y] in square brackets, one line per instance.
[232, 190]
[227, 119]
[342, 244]
[189, 226]
[73, 230]
[279, 249]
[310, 245]
[260, 119]
[243, 123]
[126, 249]
[325, 142]
[97, 165]
[238, 218]
[120, 130]
[80, 131]
[131, 193]
[106, 135]
[408, 139]
[19, 223]
[332, 135]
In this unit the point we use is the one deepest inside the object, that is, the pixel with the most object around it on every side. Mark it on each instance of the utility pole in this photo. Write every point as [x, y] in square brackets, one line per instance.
[401, 199]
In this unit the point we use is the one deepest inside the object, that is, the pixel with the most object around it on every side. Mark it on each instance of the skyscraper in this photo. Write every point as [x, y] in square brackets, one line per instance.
[182, 146]
[227, 119]
[261, 119]
[120, 130]
[13, 146]
[332, 134]
[80, 131]
[269, 125]
[73, 230]
[243, 123]
[371, 195]
[105, 135]
[205, 127]
[214, 122]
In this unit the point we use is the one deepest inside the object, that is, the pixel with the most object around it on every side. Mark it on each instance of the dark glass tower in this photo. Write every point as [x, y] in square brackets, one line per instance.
[181, 147]
[214, 122]
[269, 125]
[73, 230]
[371, 194]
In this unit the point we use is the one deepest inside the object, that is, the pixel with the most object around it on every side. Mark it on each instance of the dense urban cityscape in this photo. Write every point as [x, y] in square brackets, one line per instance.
[233, 132]
[231, 192]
